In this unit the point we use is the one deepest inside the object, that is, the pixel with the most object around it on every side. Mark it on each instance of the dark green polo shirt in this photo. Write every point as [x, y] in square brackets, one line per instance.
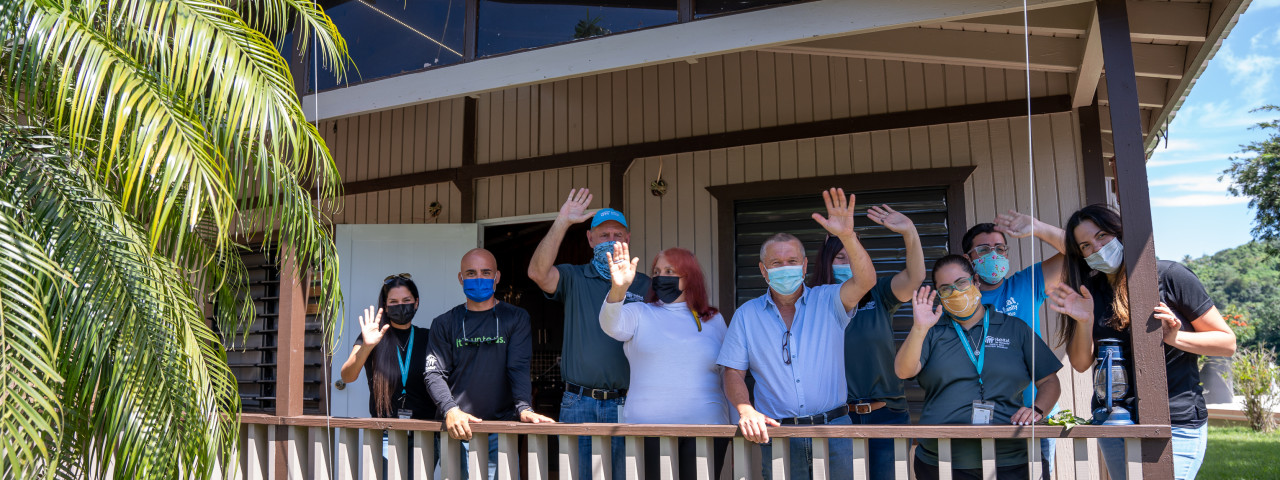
[589, 357]
[869, 350]
[950, 384]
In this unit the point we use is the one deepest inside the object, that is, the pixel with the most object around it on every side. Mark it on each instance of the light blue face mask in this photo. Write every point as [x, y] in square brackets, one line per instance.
[786, 280]
[842, 272]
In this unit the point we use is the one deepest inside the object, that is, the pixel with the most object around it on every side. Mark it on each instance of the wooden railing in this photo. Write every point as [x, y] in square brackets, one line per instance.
[324, 448]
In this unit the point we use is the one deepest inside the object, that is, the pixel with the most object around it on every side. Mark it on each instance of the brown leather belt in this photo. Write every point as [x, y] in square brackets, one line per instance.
[865, 407]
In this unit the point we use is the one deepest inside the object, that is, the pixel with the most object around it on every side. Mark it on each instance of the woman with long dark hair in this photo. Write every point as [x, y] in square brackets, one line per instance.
[876, 395]
[671, 341]
[392, 353]
[1093, 300]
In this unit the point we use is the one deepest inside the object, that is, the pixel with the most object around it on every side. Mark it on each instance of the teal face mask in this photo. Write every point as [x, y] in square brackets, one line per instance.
[842, 272]
[786, 280]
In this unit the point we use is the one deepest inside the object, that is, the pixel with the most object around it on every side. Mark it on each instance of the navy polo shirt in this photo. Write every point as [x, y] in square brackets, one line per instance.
[589, 357]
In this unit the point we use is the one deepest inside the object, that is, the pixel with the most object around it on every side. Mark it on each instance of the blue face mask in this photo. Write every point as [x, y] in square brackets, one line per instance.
[842, 272]
[992, 267]
[478, 289]
[600, 261]
[786, 280]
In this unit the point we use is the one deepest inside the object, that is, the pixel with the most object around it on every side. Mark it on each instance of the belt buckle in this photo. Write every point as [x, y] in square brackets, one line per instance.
[597, 394]
[862, 408]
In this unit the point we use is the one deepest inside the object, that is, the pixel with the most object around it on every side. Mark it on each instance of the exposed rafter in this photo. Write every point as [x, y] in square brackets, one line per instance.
[1167, 21]
[1090, 69]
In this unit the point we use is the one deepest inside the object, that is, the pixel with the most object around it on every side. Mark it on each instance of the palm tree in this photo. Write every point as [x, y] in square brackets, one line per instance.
[139, 140]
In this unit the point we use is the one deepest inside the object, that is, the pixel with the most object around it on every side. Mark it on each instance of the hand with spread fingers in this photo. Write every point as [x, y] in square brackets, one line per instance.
[925, 313]
[575, 208]
[839, 219]
[1015, 224]
[622, 266]
[1169, 322]
[891, 219]
[458, 423]
[1077, 305]
[370, 331]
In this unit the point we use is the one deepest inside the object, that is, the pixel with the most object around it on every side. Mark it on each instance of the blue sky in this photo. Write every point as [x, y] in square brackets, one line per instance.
[1192, 212]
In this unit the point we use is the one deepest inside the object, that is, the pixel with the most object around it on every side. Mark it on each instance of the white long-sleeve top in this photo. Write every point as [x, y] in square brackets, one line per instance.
[674, 376]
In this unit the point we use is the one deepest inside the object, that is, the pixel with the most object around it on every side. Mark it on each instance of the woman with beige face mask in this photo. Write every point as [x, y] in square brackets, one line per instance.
[973, 366]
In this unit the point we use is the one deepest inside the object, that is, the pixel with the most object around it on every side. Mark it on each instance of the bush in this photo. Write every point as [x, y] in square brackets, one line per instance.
[1256, 374]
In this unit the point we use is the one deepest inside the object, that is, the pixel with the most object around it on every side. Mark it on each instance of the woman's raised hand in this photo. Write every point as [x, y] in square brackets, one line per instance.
[922, 308]
[369, 329]
[622, 267]
[1077, 305]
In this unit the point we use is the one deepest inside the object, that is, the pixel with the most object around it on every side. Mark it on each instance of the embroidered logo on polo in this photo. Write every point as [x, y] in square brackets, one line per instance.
[631, 297]
[431, 362]
[995, 342]
[871, 305]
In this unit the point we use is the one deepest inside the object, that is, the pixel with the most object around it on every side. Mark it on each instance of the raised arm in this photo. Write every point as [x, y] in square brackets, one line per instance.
[909, 279]
[1079, 307]
[371, 334]
[839, 222]
[542, 268]
[613, 320]
[1018, 225]
[925, 315]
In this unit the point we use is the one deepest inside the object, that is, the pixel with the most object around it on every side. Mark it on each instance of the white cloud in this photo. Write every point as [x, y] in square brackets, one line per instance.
[1196, 200]
[1253, 71]
[1191, 183]
[1263, 4]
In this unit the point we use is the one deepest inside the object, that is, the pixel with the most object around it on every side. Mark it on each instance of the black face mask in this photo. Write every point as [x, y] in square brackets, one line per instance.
[400, 314]
[667, 288]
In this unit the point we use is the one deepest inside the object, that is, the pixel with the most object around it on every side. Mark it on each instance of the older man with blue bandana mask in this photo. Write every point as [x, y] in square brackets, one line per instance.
[791, 339]
[594, 368]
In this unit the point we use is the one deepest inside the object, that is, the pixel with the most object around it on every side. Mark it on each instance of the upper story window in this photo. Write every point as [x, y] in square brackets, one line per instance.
[508, 25]
[702, 8]
[387, 37]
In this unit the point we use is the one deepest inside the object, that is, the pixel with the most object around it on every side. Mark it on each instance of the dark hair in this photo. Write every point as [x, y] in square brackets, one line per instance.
[824, 271]
[1077, 270]
[695, 283]
[952, 259]
[385, 368]
[967, 241]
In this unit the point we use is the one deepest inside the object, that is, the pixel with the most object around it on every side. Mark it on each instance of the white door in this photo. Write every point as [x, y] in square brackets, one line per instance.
[369, 253]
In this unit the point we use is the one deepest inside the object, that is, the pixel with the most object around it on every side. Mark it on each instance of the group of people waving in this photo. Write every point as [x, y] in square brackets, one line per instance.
[650, 348]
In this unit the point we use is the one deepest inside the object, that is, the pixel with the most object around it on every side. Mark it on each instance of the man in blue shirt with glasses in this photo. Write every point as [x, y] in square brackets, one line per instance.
[791, 339]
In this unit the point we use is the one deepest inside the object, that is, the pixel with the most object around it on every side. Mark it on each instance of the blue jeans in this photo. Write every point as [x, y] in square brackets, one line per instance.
[576, 408]
[1188, 453]
[839, 456]
[1047, 451]
[880, 450]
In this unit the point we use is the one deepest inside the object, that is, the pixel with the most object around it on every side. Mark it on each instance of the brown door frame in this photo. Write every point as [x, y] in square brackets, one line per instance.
[951, 178]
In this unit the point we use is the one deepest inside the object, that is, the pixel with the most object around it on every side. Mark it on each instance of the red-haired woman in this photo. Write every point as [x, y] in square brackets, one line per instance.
[671, 341]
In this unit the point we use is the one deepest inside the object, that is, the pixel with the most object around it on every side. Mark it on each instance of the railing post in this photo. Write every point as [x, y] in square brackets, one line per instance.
[601, 457]
[450, 457]
[290, 347]
[668, 458]
[944, 459]
[568, 457]
[424, 454]
[397, 454]
[295, 457]
[478, 456]
[370, 454]
[1139, 248]
[538, 461]
[1084, 466]
[348, 453]
[901, 461]
[1033, 459]
[781, 461]
[635, 458]
[320, 447]
[741, 459]
[988, 458]
[508, 457]
[256, 452]
[705, 452]
[1133, 457]
[860, 459]
[819, 467]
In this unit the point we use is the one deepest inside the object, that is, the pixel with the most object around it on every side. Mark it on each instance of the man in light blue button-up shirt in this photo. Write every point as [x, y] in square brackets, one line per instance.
[791, 339]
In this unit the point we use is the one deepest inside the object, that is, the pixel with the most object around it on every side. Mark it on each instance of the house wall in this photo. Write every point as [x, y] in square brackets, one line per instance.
[718, 94]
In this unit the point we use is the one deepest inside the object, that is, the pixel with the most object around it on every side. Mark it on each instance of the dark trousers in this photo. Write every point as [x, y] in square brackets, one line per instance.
[687, 449]
[925, 471]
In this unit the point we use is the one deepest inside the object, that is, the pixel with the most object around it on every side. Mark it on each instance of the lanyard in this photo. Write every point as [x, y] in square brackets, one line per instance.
[982, 349]
[404, 363]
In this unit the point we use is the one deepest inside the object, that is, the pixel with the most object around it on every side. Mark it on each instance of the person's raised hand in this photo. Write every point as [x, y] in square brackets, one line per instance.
[1169, 322]
[839, 219]
[924, 312]
[575, 208]
[1015, 224]
[370, 332]
[458, 423]
[891, 219]
[755, 425]
[1077, 305]
[622, 267]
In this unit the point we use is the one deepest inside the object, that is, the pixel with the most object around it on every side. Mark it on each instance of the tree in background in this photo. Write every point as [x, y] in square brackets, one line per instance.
[1258, 178]
[1244, 282]
[139, 139]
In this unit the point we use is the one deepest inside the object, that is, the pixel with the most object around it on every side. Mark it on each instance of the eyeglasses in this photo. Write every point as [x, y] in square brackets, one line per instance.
[786, 347]
[960, 285]
[985, 249]
[393, 277]
[470, 342]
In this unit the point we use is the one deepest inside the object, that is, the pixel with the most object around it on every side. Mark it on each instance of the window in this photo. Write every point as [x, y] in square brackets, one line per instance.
[389, 37]
[509, 25]
[703, 8]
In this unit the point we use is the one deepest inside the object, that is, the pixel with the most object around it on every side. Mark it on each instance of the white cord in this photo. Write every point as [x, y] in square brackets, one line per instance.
[1035, 310]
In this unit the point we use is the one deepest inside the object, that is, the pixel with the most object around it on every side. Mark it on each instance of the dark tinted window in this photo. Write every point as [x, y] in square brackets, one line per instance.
[507, 25]
[703, 8]
[388, 37]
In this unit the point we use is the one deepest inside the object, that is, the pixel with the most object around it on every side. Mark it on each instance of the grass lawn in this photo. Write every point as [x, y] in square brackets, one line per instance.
[1238, 452]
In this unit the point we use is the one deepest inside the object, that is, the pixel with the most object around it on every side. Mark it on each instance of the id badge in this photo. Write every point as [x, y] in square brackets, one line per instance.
[404, 413]
[983, 412]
